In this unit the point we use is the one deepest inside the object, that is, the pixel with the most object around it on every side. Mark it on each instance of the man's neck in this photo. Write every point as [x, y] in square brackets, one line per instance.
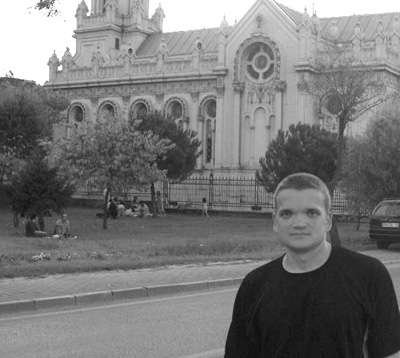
[298, 262]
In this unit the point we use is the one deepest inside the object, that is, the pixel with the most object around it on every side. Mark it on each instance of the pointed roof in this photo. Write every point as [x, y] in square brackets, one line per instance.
[180, 42]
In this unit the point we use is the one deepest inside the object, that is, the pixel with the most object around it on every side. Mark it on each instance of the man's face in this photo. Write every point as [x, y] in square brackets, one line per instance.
[64, 217]
[301, 220]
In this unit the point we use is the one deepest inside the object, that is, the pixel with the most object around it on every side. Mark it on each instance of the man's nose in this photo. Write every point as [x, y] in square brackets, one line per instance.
[299, 221]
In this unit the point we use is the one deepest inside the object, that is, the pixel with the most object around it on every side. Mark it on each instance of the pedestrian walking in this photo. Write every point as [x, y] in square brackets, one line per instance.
[204, 208]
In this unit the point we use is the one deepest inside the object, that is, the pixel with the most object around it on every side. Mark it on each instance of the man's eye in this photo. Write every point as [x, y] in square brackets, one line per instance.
[285, 214]
[313, 213]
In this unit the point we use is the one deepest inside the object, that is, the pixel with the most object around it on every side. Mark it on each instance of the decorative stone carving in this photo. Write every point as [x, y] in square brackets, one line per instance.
[67, 60]
[158, 17]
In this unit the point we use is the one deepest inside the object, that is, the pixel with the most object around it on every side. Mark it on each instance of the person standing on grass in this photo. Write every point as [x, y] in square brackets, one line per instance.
[205, 209]
[160, 204]
[316, 300]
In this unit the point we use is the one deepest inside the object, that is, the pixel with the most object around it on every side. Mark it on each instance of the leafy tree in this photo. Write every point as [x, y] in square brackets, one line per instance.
[348, 89]
[49, 7]
[303, 148]
[38, 188]
[27, 115]
[371, 169]
[180, 160]
[113, 155]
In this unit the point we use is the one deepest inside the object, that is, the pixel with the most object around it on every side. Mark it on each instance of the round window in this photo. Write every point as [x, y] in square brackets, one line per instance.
[260, 65]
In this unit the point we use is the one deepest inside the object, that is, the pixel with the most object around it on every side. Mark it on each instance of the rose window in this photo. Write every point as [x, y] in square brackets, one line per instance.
[260, 62]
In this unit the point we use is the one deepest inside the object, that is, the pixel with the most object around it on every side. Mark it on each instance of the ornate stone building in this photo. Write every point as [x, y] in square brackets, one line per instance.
[235, 85]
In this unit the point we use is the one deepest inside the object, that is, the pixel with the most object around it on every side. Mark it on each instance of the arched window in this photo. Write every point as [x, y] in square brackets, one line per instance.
[76, 114]
[139, 111]
[107, 111]
[210, 113]
[175, 110]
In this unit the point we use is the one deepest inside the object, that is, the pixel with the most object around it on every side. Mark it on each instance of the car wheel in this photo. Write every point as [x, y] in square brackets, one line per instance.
[382, 244]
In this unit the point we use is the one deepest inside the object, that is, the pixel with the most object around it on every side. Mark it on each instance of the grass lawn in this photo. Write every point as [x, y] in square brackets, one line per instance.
[131, 243]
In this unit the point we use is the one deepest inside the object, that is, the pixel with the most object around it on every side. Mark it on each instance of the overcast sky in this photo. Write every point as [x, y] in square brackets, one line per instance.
[28, 38]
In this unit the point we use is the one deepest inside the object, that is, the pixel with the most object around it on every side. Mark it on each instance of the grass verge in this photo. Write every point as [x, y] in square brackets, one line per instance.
[132, 243]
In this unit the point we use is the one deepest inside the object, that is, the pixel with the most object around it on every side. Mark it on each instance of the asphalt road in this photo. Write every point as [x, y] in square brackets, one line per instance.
[169, 327]
[184, 326]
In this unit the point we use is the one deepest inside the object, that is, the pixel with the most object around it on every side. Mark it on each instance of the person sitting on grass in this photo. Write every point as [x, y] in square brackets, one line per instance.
[143, 210]
[32, 229]
[62, 226]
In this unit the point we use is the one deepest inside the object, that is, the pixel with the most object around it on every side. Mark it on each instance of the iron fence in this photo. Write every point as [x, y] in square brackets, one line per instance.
[222, 194]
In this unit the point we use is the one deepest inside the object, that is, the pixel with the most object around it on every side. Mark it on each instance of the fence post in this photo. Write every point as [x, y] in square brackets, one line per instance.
[211, 190]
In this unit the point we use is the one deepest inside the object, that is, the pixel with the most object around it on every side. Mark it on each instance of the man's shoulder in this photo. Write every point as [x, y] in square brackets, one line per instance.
[264, 271]
[354, 260]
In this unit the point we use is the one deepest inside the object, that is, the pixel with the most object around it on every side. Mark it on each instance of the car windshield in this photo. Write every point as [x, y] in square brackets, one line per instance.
[382, 210]
[395, 210]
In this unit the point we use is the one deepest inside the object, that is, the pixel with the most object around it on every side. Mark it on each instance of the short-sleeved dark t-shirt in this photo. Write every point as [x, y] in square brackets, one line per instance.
[317, 314]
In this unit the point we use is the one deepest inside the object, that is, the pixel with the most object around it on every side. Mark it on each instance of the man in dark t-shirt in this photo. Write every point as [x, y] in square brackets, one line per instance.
[315, 301]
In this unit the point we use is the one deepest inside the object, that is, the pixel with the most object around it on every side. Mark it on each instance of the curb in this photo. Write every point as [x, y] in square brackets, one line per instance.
[86, 299]
[91, 298]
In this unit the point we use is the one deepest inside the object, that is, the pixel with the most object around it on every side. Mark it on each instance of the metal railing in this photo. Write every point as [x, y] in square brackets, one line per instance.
[222, 194]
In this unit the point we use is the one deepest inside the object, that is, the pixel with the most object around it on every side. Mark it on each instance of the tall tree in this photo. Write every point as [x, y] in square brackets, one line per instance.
[348, 89]
[113, 155]
[371, 169]
[27, 115]
[180, 160]
[302, 148]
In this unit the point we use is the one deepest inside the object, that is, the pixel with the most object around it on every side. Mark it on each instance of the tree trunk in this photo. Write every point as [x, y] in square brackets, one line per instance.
[334, 234]
[41, 222]
[105, 209]
[153, 199]
[16, 218]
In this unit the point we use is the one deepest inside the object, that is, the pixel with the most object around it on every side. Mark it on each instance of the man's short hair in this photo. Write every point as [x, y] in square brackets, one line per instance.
[303, 181]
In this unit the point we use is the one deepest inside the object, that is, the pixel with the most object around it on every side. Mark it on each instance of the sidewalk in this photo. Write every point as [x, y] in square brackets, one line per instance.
[24, 294]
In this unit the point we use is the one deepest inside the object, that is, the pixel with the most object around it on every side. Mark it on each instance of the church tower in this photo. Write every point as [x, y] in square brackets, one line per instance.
[112, 27]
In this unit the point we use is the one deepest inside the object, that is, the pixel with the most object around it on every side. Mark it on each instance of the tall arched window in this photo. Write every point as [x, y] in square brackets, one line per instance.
[210, 113]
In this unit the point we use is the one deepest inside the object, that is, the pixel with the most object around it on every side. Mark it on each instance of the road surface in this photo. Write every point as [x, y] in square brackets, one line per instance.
[183, 326]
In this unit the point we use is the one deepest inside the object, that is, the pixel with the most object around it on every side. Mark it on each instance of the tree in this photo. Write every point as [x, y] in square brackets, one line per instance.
[38, 188]
[47, 6]
[303, 148]
[27, 115]
[180, 160]
[348, 89]
[113, 155]
[371, 170]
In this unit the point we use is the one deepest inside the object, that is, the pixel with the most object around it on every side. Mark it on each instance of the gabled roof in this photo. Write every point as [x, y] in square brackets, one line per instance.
[292, 14]
[369, 25]
[346, 24]
[181, 42]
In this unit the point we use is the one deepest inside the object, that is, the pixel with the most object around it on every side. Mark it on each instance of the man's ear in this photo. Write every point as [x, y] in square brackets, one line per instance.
[329, 221]
[274, 227]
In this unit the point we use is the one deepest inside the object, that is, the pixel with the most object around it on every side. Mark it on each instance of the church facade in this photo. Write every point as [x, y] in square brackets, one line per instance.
[236, 86]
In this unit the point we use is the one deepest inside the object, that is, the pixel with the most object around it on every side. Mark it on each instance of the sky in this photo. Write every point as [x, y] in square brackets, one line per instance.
[28, 38]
